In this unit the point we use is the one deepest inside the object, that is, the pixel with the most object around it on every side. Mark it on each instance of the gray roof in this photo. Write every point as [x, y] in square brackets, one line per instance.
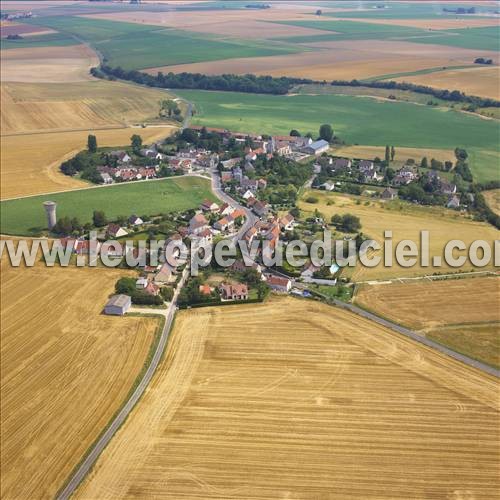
[118, 300]
[319, 144]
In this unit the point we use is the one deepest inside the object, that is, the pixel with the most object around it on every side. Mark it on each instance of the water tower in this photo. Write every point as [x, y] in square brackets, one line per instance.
[50, 210]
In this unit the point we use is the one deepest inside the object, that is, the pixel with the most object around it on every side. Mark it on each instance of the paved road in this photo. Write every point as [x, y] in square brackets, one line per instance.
[104, 440]
[416, 337]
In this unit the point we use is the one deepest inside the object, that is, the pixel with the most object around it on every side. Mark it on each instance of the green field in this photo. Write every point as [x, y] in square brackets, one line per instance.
[136, 46]
[486, 38]
[356, 120]
[26, 216]
[48, 40]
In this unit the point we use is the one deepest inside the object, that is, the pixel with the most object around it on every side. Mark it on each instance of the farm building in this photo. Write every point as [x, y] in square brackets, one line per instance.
[118, 305]
[279, 284]
[318, 147]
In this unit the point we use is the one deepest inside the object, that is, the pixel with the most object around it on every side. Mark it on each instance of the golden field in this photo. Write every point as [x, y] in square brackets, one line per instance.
[481, 81]
[462, 313]
[341, 60]
[48, 64]
[65, 371]
[493, 199]
[35, 158]
[402, 154]
[295, 399]
[432, 24]
[29, 107]
[405, 220]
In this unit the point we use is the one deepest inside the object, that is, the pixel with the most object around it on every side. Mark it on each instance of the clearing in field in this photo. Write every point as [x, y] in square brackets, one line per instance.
[25, 216]
[463, 314]
[480, 81]
[65, 371]
[320, 403]
[406, 221]
[37, 157]
[30, 107]
[48, 64]
[493, 199]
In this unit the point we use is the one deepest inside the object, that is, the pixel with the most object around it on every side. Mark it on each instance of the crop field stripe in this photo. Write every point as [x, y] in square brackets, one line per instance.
[413, 73]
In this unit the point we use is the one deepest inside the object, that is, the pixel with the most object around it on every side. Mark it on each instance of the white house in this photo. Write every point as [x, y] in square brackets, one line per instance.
[135, 221]
[116, 231]
[248, 194]
[279, 284]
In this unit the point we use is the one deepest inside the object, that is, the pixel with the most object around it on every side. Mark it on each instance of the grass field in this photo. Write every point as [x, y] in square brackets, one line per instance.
[30, 162]
[36, 107]
[25, 216]
[38, 41]
[405, 220]
[493, 199]
[135, 46]
[356, 120]
[65, 370]
[462, 313]
[323, 404]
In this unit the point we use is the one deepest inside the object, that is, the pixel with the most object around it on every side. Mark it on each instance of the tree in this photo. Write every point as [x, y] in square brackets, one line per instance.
[326, 132]
[167, 292]
[294, 133]
[319, 12]
[136, 142]
[393, 153]
[99, 218]
[461, 154]
[424, 163]
[387, 154]
[390, 174]
[92, 143]
[347, 223]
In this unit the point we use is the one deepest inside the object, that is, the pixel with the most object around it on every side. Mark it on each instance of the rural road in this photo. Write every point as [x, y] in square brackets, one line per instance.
[83, 469]
[418, 338]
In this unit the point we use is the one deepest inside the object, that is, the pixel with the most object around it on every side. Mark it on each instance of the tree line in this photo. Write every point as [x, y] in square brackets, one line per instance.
[445, 95]
[227, 82]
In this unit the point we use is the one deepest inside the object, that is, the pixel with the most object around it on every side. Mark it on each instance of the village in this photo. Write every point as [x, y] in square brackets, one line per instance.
[258, 179]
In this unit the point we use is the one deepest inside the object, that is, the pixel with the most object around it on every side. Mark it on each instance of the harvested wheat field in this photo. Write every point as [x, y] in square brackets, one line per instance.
[322, 404]
[340, 60]
[402, 154]
[65, 371]
[480, 81]
[493, 199]
[48, 64]
[12, 28]
[406, 221]
[461, 313]
[29, 107]
[37, 157]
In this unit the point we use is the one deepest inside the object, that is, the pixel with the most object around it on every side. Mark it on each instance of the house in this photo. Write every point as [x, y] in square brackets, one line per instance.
[279, 283]
[447, 187]
[309, 271]
[141, 283]
[225, 223]
[389, 194]
[239, 266]
[118, 305]
[121, 156]
[165, 275]
[209, 206]
[248, 194]
[405, 175]
[286, 222]
[260, 208]
[204, 237]
[453, 202]
[317, 147]
[225, 209]
[229, 164]
[341, 164]
[133, 220]
[116, 231]
[197, 224]
[327, 186]
[205, 289]
[227, 177]
[238, 291]
[301, 142]
[366, 166]
[152, 288]
[250, 235]
[106, 178]
[261, 184]
[238, 174]
[283, 148]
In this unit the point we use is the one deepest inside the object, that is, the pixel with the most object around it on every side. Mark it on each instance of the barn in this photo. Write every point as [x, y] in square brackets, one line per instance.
[118, 305]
